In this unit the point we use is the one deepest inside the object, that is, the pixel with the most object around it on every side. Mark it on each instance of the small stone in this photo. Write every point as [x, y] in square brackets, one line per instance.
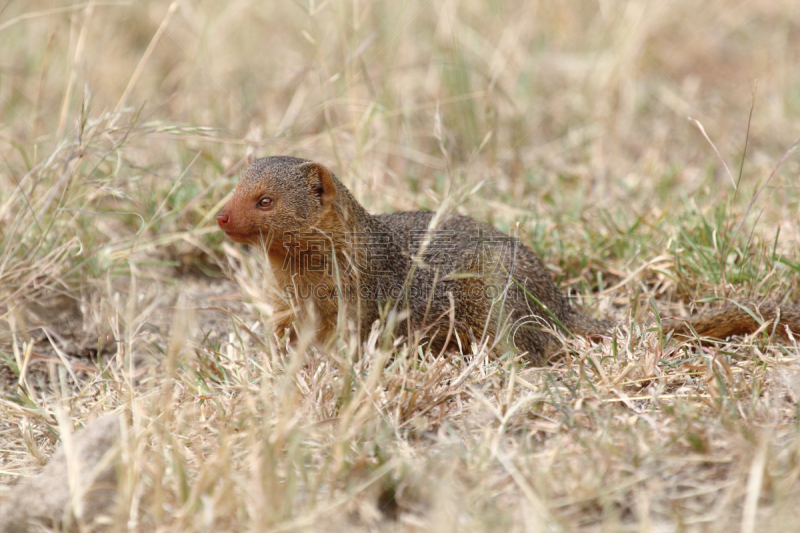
[46, 498]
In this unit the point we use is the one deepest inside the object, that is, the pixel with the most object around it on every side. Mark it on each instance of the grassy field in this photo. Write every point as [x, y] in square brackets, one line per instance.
[643, 148]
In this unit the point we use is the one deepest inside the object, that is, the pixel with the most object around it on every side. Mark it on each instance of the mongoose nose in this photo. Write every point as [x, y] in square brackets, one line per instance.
[223, 219]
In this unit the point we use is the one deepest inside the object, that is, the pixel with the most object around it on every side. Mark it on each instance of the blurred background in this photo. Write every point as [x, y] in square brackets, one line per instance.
[597, 91]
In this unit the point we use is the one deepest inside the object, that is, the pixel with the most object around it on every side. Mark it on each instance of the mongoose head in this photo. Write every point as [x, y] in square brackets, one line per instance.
[277, 199]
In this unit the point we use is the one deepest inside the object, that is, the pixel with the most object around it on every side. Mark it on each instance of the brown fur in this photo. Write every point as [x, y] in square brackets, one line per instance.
[342, 264]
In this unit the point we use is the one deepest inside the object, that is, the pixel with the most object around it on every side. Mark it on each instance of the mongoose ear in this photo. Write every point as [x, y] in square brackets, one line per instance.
[321, 180]
[249, 160]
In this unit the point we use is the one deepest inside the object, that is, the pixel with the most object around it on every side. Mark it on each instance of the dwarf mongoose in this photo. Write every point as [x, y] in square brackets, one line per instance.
[446, 280]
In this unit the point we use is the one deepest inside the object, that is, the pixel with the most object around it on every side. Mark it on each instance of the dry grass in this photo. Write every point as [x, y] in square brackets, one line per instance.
[123, 127]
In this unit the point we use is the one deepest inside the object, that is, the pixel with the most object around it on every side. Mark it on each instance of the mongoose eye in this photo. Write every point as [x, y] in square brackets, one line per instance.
[265, 203]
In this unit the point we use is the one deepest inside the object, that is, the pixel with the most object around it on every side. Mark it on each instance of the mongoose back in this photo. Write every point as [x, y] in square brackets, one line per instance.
[446, 279]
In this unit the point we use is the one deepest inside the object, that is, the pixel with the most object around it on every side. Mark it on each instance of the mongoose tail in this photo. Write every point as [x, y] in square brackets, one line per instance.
[726, 321]
[737, 319]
